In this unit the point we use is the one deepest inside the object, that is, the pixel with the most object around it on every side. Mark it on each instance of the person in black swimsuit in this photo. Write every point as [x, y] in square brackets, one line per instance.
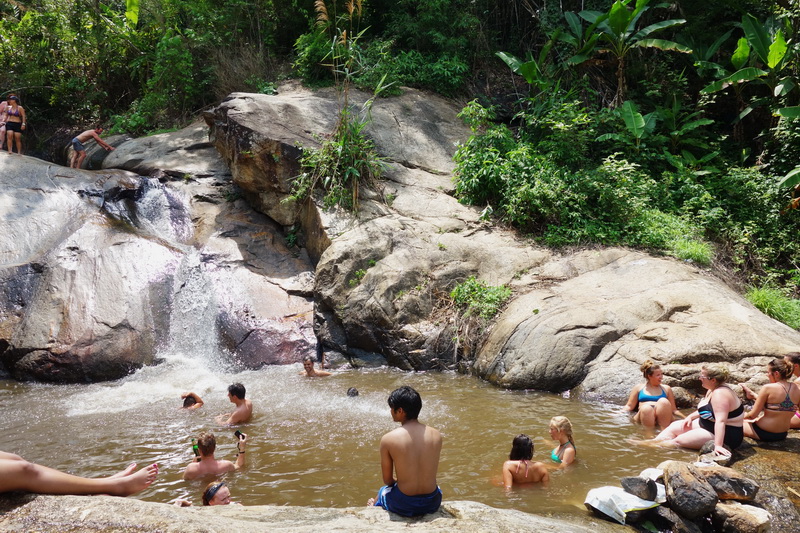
[776, 404]
[719, 416]
[16, 123]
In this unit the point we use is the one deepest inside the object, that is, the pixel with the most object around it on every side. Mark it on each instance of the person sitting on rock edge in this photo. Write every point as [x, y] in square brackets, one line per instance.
[411, 452]
[652, 401]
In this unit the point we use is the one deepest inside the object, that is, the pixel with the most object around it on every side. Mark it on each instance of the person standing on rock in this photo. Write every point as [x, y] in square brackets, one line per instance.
[778, 401]
[653, 402]
[244, 408]
[409, 460]
[18, 474]
[208, 465]
[16, 123]
[78, 141]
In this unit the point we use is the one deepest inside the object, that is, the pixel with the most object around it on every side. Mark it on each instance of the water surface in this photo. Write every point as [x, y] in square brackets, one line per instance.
[311, 444]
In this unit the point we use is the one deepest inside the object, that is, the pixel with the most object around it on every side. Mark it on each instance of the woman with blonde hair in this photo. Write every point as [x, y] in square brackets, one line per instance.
[719, 417]
[653, 402]
[777, 404]
[561, 431]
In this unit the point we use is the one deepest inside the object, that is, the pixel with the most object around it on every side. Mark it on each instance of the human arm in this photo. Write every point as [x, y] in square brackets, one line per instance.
[240, 446]
[24, 117]
[568, 457]
[633, 399]
[198, 401]
[387, 462]
[101, 142]
[508, 478]
[721, 403]
[758, 406]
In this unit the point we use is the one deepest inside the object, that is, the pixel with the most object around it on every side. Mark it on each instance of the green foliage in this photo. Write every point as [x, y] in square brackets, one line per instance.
[775, 303]
[475, 297]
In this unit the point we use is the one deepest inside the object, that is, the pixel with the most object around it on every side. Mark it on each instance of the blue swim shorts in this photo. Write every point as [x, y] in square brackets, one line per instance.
[77, 145]
[391, 499]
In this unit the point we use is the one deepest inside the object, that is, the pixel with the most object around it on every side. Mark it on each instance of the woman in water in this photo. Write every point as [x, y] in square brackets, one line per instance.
[18, 474]
[778, 401]
[215, 493]
[561, 431]
[719, 417]
[16, 122]
[518, 469]
[653, 402]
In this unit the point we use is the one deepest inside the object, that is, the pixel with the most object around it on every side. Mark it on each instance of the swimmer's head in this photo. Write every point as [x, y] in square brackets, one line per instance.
[352, 391]
[716, 372]
[237, 389]
[793, 358]
[308, 362]
[648, 368]
[216, 493]
[189, 401]
[562, 423]
[521, 448]
[781, 367]
[206, 443]
[408, 399]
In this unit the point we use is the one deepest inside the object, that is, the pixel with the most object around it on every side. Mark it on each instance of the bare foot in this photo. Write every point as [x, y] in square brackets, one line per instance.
[133, 483]
[371, 502]
[127, 472]
[748, 393]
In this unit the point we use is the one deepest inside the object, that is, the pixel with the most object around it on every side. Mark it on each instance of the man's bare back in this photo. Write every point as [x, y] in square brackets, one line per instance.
[413, 450]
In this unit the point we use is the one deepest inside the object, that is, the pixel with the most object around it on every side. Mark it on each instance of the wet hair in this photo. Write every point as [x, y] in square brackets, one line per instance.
[237, 389]
[521, 448]
[562, 423]
[211, 491]
[717, 372]
[308, 359]
[189, 401]
[794, 357]
[352, 391]
[648, 367]
[781, 367]
[206, 443]
[407, 399]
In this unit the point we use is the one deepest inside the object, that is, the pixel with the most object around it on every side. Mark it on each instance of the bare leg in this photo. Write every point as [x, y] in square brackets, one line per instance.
[647, 414]
[127, 472]
[693, 439]
[18, 474]
[795, 422]
[663, 411]
[81, 157]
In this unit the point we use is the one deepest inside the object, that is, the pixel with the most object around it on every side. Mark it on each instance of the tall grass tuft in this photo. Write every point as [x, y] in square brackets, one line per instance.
[774, 303]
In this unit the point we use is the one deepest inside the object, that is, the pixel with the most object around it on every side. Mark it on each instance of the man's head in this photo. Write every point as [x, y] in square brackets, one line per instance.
[308, 363]
[98, 130]
[206, 443]
[408, 400]
[188, 402]
[237, 389]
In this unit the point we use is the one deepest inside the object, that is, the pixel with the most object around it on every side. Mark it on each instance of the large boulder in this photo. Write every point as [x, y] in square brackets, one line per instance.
[582, 321]
[103, 270]
[688, 494]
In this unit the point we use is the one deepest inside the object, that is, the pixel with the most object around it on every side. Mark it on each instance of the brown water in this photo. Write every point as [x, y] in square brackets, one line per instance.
[312, 445]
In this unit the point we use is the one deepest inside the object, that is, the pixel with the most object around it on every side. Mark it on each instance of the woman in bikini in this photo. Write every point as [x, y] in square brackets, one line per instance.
[719, 417]
[776, 403]
[561, 431]
[16, 122]
[653, 402]
[519, 469]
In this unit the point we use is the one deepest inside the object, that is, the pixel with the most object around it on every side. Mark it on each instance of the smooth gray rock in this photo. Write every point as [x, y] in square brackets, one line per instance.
[106, 513]
[688, 494]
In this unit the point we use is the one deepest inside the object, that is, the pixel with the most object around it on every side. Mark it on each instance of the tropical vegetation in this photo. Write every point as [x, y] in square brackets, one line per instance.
[673, 127]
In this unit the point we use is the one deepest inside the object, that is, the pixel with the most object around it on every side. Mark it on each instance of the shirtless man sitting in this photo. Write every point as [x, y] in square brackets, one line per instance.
[411, 453]
[244, 408]
[208, 465]
[80, 151]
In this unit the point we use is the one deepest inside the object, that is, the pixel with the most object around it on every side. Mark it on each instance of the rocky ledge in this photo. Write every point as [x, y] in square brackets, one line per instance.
[88, 514]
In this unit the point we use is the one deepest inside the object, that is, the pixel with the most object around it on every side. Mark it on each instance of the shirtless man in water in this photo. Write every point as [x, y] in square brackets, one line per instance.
[309, 371]
[244, 408]
[411, 452]
[80, 151]
[18, 474]
[208, 465]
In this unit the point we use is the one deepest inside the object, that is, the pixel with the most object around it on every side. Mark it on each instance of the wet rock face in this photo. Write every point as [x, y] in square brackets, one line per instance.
[583, 321]
[101, 270]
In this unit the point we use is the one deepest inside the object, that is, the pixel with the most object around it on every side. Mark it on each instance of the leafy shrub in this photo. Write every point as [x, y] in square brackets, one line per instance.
[312, 49]
[475, 297]
[774, 303]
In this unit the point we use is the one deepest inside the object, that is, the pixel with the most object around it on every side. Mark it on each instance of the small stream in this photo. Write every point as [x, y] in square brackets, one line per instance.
[311, 444]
